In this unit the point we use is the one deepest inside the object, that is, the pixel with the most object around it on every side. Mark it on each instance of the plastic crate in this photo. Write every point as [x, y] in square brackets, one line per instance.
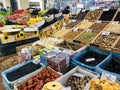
[11, 83]
[100, 67]
[63, 79]
[19, 83]
[6, 86]
[76, 59]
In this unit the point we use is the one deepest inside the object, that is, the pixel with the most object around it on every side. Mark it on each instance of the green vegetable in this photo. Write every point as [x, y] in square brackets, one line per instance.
[3, 19]
[42, 13]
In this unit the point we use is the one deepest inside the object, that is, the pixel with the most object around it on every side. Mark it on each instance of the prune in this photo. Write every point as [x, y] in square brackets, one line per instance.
[90, 54]
[108, 15]
[22, 71]
[117, 18]
[114, 65]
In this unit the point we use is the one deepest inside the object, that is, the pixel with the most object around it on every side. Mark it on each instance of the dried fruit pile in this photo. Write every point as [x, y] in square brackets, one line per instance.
[22, 71]
[98, 26]
[108, 15]
[98, 57]
[37, 82]
[114, 65]
[103, 84]
[93, 15]
[117, 18]
[106, 40]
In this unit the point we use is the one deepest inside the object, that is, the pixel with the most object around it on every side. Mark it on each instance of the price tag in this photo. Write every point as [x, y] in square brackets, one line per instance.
[98, 21]
[75, 29]
[83, 10]
[79, 75]
[105, 33]
[63, 28]
[73, 20]
[67, 88]
[35, 61]
[85, 20]
[106, 9]
[89, 30]
[114, 22]
[110, 77]
[90, 59]
[92, 9]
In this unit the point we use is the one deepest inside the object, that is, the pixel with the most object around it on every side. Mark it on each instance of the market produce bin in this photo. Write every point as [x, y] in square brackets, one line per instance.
[37, 78]
[91, 57]
[81, 72]
[6, 86]
[10, 79]
[110, 65]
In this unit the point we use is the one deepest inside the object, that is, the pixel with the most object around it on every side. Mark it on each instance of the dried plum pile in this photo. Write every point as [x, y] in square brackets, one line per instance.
[81, 15]
[90, 54]
[108, 15]
[114, 65]
[117, 18]
[22, 71]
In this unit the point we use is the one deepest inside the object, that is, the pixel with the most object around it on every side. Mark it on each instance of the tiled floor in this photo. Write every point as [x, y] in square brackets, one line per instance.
[1, 87]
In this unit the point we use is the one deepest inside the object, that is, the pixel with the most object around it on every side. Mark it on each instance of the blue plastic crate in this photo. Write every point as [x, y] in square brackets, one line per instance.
[11, 83]
[6, 86]
[100, 67]
[76, 59]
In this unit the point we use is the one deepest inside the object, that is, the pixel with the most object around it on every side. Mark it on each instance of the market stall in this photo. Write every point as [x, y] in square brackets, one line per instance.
[67, 54]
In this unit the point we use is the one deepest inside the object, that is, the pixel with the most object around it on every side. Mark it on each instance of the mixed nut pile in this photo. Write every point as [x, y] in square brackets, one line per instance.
[77, 83]
[106, 40]
[8, 61]
[93, 15]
